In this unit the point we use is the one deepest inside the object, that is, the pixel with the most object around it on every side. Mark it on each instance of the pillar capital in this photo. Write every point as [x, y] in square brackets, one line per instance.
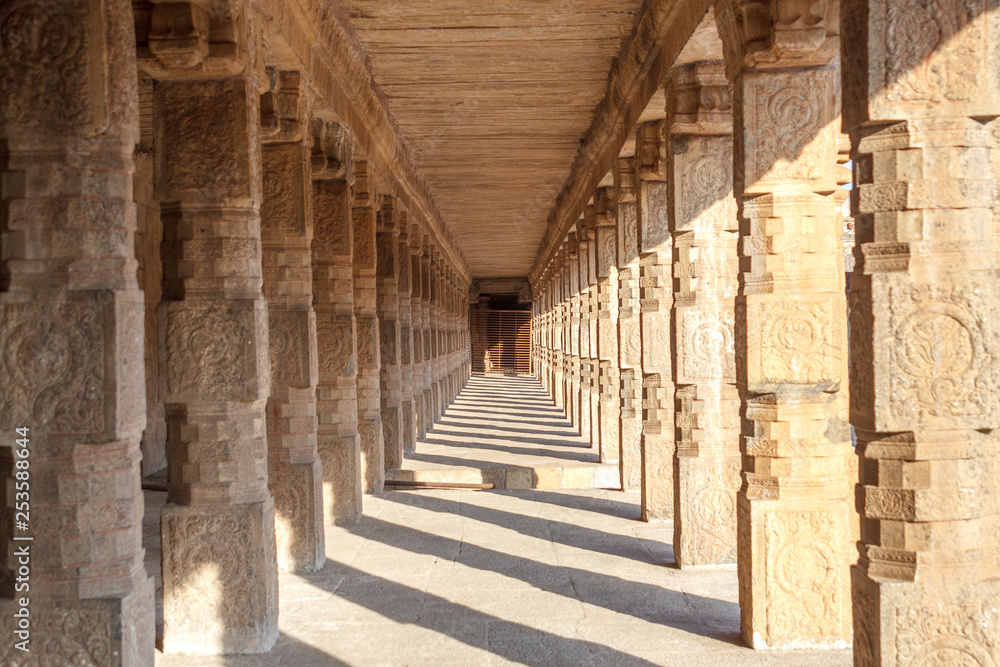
[624, 173]
[699, 99]
[650, 151]
[286, 107]
[332, 149]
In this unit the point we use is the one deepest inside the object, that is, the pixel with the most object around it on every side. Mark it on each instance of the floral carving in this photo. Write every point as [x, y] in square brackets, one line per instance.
[795, 343]
[288, 347]
[52, 366]
[45, 76]
[803, 575]
[367, 343]
[209, 350]
[933, 50]
[280, 207]
[706, 345]
[706, 179]
[335, 343]
[786, 119]
[67, 636]
[331, 215]
[941, 360]
[952, 635]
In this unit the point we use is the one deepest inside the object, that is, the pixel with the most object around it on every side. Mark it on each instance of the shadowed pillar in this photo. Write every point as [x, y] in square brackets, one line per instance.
[795, 515]
[364, 208]
[286, 218]
[407, 418]
[220, 589]
[609, 444]
[387, 281]
[71, 332]
[705, 230]
[655, 299]
[337, 438]
[583, 235]
[629, 334]
[921, 106]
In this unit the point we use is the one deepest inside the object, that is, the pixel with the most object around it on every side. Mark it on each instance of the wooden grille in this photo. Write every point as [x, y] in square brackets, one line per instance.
[501, 342]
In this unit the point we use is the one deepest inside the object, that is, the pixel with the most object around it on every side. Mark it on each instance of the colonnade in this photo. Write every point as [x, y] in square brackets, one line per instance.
[295, 323]
[705, 282]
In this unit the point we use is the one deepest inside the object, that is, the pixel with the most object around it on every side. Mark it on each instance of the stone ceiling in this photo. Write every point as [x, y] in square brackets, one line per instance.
[494, 97]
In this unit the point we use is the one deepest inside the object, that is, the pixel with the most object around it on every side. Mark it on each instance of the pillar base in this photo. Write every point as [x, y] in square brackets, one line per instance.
[341, 458]
[298, 528]
[908, 623]
[220, 579]
[705, 521]
[794, 583]
[118, 632]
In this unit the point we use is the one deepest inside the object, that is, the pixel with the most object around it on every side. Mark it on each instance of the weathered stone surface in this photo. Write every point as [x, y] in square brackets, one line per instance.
[71, 335]
[923, 347]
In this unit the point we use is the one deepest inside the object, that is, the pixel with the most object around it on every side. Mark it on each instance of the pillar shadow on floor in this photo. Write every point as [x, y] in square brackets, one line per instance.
[580, 537]
[516, 642]
[708, 617]
[584, 456]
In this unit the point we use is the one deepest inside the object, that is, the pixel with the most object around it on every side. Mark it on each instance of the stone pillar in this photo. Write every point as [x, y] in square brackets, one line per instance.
[294, 473]
[794, 509]
[417, 308]
[333, 300]
[705, 231]
[559, 329]
[217, 529]
[408, 418]
[629, 334]
[590, 218]
[433, 339]
[584, 234]
[655, 300]
[609, 444]
[71, 331]
[387, 244]
[425, 338]
[921, 107]
[364, 208]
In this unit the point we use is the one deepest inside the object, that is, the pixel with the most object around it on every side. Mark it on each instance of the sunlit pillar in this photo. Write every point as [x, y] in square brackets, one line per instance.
[629, 333]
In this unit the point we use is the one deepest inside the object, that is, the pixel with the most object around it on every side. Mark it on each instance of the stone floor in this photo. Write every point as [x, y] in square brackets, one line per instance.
[505, 431]
[534, 577]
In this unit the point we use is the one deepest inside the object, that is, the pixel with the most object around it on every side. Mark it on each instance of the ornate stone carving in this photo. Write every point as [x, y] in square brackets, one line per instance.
[289, 344]
[335, 341]
[51, 60]
[934, 50]
[705, 348]
[70, 636]
[207, 351]
[788, 131]
[200, 148]
[331, 219]
[941, 354]
[367, 328]
[52, 365]
[796, 343]
[281, 209]
[957, 635]
[803, 575]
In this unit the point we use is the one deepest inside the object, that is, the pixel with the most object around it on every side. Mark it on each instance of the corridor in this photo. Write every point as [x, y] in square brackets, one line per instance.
[540, 576]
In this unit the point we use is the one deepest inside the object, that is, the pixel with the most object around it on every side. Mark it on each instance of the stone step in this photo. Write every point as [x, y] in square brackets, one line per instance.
[601, 476]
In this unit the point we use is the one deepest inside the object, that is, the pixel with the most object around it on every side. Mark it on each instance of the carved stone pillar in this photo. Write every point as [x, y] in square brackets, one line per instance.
[333, 301]
[655, 299]
[387, 243]
[217, 528]
[364, 208]
[629, 335]
[294, 473]
[417, 308]
[794, 508]
[705, 230]
[921, 107]
[594, 361]
[609, 444]
[407, 416]
[433, 338]
[583, 335]
[71, 332]
[558, 329]
[425, 338]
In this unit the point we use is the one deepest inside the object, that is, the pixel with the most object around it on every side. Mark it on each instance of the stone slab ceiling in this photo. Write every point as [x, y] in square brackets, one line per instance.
[494, 97]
